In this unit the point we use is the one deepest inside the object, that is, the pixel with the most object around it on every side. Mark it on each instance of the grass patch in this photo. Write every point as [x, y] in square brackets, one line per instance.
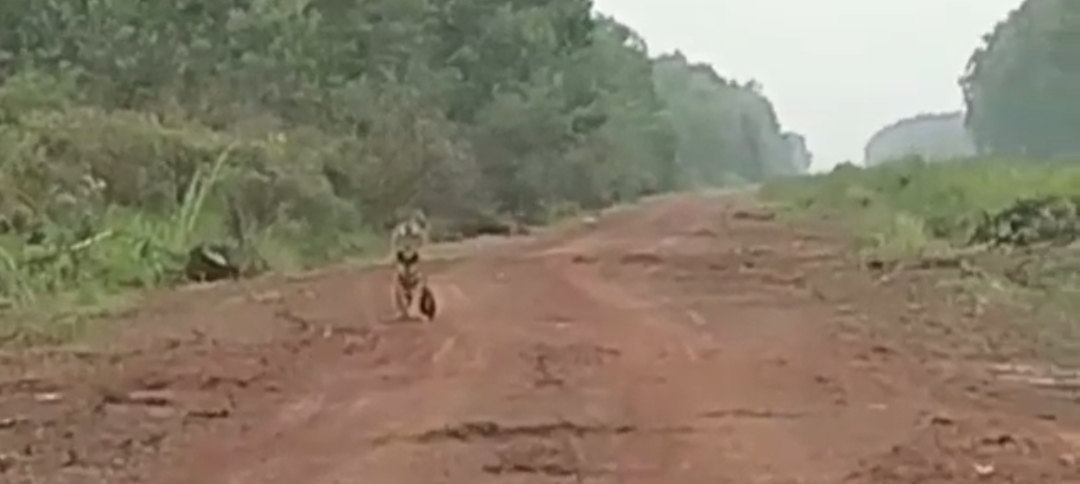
[909, 208]
[97, 206]
[913, 203]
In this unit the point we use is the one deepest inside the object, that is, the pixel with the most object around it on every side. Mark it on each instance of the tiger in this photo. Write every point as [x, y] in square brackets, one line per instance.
[410, 283]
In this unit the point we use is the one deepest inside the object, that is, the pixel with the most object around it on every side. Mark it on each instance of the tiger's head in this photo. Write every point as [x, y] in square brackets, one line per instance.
[411, 232]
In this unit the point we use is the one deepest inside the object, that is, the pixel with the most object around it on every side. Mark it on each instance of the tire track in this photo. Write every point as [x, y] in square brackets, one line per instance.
[675, 342]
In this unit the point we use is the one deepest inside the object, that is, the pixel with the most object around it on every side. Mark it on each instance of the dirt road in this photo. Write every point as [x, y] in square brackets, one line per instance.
[689, 340]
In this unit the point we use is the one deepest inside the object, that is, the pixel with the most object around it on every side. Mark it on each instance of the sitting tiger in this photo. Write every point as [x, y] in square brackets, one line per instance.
[410, 284]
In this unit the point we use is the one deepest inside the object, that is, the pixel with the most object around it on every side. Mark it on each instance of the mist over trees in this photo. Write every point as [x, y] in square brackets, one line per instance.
[801, 157]
[930, 136]
[1022, 86]
[1021, 90]
[728, 132]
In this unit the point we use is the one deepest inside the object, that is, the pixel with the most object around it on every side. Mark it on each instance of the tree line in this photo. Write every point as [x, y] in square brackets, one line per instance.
[307, 123]
[930, 136]
[728, 131]
[1021, 90]
[1022, 86]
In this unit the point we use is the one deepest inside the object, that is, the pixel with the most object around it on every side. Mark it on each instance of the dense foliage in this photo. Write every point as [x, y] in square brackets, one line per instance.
[931, 136]
[1022, 87]
[131, 131]
[727, 132]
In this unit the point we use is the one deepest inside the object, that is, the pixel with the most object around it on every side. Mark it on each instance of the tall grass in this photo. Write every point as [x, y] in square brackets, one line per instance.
[913, 202]
[137, 250]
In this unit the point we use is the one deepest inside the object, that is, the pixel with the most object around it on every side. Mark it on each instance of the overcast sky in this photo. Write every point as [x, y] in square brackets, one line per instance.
[836, 70]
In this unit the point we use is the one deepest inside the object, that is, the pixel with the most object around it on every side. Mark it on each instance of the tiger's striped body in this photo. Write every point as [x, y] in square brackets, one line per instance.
[410, 283]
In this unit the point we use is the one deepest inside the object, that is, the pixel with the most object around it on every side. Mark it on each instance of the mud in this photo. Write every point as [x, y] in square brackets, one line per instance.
[690, 340]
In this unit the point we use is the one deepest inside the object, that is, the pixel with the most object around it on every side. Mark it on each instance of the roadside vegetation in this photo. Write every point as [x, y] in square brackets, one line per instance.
[1009, 217]
[1006, 228]
[147, 144]
[910, 206]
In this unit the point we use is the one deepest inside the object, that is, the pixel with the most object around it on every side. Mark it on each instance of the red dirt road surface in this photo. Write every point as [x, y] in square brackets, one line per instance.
[691, 339]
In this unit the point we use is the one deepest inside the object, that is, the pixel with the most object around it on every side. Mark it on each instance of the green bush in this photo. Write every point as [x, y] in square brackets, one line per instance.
[944, 201]
[117, 199]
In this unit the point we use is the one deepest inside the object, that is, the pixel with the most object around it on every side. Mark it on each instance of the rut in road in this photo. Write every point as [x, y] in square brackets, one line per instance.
[685, 341]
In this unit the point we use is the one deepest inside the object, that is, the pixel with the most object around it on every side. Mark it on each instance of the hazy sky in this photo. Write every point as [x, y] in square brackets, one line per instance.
[836, 70]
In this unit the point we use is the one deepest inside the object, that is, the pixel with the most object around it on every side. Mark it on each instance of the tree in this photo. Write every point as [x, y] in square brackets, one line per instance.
[726, 131]
[1022, 86]
[930, 136]
[315, 120]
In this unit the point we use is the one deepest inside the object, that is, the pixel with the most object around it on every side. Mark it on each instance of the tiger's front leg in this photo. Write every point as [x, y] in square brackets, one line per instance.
[402, 299]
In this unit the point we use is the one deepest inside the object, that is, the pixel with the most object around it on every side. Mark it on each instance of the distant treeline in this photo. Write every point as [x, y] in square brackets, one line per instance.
[1021, 90]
